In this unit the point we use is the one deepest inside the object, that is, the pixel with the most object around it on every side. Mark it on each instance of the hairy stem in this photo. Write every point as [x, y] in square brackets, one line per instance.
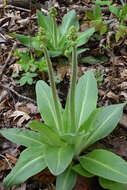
[54, 32]
[54, 92]
[73, 87]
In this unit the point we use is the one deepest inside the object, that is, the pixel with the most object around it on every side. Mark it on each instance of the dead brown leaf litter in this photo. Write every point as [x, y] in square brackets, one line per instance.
[18, 104]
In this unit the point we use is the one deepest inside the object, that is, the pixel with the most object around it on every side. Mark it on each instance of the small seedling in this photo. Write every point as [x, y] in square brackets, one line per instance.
[99, 75]
[29, 67]
[96, 20]
[121, 14]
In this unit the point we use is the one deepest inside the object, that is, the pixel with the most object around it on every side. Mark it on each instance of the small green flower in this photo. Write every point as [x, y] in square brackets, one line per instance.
[53, 12]
[42, 36]
[72, 34]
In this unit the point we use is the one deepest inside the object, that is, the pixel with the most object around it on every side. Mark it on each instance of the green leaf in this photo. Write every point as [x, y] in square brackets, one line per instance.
[103, 29]
[90, 60]
[58, 158]
[104, 122]
[118, 36]
[46, 105]
[105, 164]
[90, 15]
[22, 136]
[28, 41]
[83, 37]
[45, 22]
[112, 185]
[55, 53]
[66, 180]
[69, 19]
[80, 170]
[30, 162]
[114, 10]
[103, 3]
[124, 10]
[81, 50]
[97, 12]
[66, 117]
[27, 78]
[47, 135]
[85, 90]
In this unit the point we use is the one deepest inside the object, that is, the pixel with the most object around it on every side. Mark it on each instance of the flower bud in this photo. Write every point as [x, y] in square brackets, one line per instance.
[53, 12]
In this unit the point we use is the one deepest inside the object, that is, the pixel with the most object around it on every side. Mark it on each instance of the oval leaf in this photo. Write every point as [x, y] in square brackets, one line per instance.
[104, 122]
[80, 170]
[83, 37]
[45, 22]
[46, 105]
[86, 94]
[28, 41]
[23, 137]
[58, 158]
[66, 180]
[31, 162]
[105, 164]
[112, 185]
[69, 19]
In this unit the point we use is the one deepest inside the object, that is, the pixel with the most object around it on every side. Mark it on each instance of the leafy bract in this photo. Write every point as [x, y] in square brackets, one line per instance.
[31, 162]
[23, 137]
[46, 105]
[104, 122]
[58, 158]
[66, 180]
[69, 19]
[112, 185]
[105, 164]
[86, 90]
[47, 134]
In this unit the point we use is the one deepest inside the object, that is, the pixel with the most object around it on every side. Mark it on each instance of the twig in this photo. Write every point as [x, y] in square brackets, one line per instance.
[122, 2]
[17, 94]
[8, 58]
[14, 7]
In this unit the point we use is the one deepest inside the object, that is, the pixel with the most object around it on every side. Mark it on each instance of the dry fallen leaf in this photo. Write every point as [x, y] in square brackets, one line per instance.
[3, 165]
[23, 117]
[124, 94]
[113, 96]
[123, 85]
[16, 68]
[11, 158]
[124, 73]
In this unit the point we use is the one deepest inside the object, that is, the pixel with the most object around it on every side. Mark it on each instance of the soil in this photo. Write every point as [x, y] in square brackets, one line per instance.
[111, 74]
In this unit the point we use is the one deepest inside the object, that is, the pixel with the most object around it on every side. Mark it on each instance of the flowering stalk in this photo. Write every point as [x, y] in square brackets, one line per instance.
[73, 37]
[53, 13]
[43, 38]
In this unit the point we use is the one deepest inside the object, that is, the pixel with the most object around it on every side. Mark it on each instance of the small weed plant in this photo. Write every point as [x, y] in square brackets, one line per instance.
[96, 20]
[61, 142]
[29, 67]
[121, 14]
